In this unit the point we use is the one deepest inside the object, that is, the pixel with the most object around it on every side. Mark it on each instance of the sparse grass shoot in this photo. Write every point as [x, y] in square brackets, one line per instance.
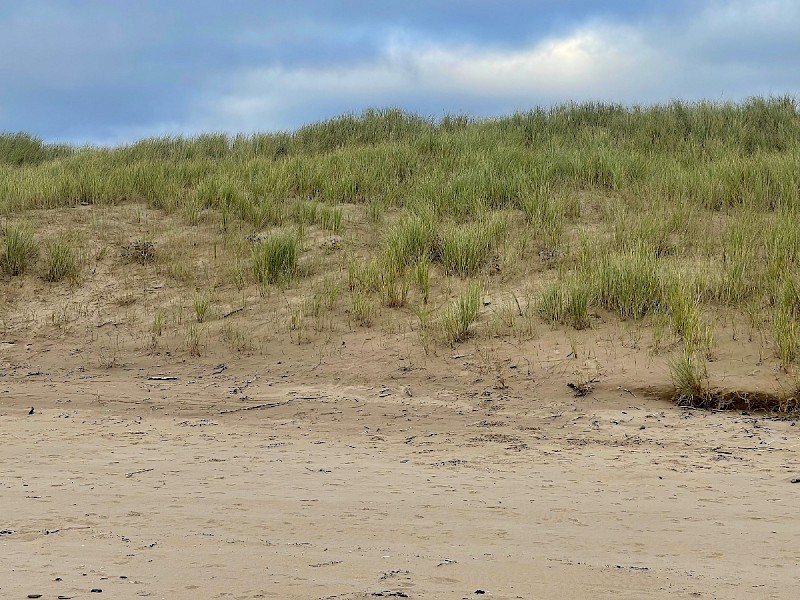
[193, 340]
[201, 304]
[422, 277]
[362, 308]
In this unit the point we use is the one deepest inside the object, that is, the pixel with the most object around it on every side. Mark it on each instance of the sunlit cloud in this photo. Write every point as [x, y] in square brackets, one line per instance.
[605, 62]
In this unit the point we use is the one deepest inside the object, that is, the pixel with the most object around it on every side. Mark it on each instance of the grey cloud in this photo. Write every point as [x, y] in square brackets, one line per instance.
[100, 70]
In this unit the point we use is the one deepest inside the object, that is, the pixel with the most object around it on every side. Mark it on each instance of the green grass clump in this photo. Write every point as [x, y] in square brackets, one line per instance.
[551, 303]
[684, 310]
[275, 257]
[364, 276]
[459, 316]
[579, 298]
[394, 286]
[306, 213]
[362, 308]
[192, 211]
[18, 251]
[464, 249]
[547, 213]
[786, 333]
[330, 218]
[422, 277]
[376, 210]
[410, 240]
[62, 260]
[201, 304]
[262, 213]
[566, 302]
[786, 322]
[630, 285]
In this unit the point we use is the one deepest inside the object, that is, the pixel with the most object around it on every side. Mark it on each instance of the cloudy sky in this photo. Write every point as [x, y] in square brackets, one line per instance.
[110, 71]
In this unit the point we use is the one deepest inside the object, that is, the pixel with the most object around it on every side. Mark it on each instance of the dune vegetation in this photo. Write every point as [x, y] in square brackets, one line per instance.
[681, 217]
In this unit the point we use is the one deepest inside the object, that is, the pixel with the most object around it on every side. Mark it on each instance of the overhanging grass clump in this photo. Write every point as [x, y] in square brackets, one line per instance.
[786, 322]
[690, 380]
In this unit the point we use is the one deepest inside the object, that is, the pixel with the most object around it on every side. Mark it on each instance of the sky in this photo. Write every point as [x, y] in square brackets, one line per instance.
[113, 71]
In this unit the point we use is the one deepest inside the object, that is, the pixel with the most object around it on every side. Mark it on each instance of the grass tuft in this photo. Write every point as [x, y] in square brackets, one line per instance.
[201, 304]
[410, 240]
[275, 257]
[786, 323]
[18, 251]
[330, 218]
[566, 302]
[62, 260]
[630, 285]
[457, 320]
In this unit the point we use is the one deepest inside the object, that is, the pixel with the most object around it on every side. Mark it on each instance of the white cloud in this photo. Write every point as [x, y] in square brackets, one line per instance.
[723, 50]
[591, 62]
[587, 60]
[750, 13]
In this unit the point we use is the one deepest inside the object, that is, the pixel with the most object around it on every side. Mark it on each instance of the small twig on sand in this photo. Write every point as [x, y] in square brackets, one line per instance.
[519, 308]
[254, 407]
[132, 473]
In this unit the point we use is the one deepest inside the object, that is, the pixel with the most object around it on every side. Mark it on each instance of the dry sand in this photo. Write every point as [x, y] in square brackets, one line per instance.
[365, 475]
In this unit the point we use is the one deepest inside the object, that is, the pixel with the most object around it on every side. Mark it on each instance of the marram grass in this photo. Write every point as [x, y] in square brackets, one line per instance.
[18, 250]
[615, 203]
[275, 257]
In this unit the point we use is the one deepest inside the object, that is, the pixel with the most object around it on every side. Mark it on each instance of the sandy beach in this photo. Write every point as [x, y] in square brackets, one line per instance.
[197, 479]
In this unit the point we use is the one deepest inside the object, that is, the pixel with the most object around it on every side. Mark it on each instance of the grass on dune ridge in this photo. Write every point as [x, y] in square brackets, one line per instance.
[712, 155]
[669, 213]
